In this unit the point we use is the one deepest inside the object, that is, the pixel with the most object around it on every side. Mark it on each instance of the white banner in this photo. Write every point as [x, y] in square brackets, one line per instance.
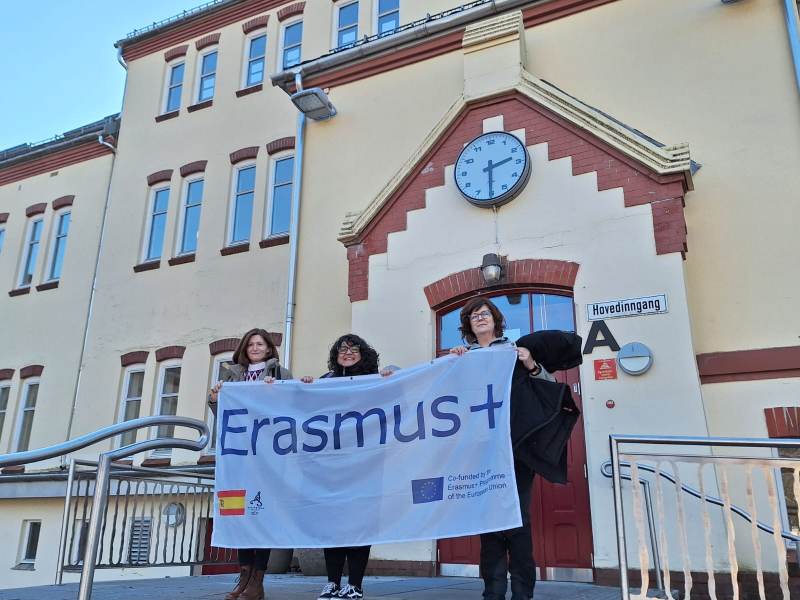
[422, 454]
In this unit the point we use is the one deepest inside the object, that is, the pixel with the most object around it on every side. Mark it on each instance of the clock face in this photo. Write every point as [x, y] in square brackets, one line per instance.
[492, 169]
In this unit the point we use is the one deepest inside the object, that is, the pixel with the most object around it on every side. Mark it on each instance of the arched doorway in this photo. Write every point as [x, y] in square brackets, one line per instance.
[560, 514]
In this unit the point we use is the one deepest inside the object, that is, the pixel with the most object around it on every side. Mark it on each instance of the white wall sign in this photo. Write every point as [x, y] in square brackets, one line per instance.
[630, 307]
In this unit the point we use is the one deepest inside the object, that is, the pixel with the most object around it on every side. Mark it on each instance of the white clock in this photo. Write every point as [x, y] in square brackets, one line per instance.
[492, 169]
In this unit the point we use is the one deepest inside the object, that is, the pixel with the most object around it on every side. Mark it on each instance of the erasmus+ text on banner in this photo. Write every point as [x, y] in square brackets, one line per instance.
[422, 454]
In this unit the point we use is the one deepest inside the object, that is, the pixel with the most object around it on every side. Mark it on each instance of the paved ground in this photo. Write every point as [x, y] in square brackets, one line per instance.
[297, 587]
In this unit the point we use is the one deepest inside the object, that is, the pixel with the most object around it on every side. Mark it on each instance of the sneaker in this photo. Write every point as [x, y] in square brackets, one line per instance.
[350, 591]
[331, 590]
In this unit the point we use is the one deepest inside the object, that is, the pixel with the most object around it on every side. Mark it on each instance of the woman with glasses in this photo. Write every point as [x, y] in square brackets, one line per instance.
[510, 551]
[255, 359]
[349, 356]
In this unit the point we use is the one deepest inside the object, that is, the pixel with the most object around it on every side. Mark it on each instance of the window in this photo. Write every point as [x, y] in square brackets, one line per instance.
[30, 541]
[30, 392]
[174, 88]
[347, 24]
[30, 253]
[243, 205]
[190, 217]
[257, 50]
[80, 532]
[157, 224]
[5, 390]
[221, 362]
[208, 76]
[292, 43]
[58, 246]
[523, 312]
[281, 196]
[139, 548]
[168, 397]
[388, 16]
[2, 237]
[131, 400]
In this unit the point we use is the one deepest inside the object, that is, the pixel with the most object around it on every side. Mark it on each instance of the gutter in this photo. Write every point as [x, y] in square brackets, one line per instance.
[294, 229]
[794, 37]
[92, 294]
[433, 24]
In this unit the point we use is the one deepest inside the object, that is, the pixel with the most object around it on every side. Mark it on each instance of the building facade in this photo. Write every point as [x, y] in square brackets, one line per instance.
[184, 242]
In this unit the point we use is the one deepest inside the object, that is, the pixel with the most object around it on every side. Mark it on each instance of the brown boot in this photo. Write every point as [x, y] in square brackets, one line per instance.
[241, 584]
[255, 587]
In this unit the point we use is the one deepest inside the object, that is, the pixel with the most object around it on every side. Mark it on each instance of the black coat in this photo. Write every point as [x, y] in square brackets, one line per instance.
[543, 413]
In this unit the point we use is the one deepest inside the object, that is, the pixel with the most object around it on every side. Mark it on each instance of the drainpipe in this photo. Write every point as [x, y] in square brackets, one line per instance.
[89, 309]
[85, 343]
[294, 229]
[794, 37]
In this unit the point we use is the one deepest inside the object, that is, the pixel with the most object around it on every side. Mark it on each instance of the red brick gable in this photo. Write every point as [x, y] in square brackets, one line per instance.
[614, 170]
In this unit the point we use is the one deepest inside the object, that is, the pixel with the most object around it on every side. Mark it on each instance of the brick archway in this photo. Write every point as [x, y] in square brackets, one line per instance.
[529, 271]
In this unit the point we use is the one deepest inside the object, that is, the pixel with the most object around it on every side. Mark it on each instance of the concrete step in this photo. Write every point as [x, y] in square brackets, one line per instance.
[298, 587]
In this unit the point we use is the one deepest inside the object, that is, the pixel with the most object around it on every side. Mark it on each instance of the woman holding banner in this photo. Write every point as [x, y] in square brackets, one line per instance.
[255, 359]
[349, 356]
[540, 406]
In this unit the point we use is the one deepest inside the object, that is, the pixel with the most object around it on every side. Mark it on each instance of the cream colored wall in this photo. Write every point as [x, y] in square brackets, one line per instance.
[13, 513]
[381, 122]
[47, 327]
[215, 296]
[719, 77]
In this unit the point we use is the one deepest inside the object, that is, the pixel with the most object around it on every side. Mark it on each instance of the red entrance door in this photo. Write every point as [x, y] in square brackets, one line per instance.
[560, 515]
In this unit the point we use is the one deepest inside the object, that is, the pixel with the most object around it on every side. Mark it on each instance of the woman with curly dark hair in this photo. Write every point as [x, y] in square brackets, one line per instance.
[349, 356]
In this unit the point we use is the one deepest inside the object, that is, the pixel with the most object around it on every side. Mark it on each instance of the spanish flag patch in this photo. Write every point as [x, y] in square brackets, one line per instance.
[231, 503]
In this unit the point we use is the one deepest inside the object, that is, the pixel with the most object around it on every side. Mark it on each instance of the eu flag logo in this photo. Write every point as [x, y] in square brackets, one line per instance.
[427, 490]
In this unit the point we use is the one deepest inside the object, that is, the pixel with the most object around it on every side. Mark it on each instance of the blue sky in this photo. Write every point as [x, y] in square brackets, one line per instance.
[58, 64]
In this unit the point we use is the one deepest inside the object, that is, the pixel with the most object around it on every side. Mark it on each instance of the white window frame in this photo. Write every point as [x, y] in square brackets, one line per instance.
[123, 396]
[51, 251]
[284, 26]
[162, 370]
[21, 411]
[377, 17]
[4, 385]
[210, 418]
[167, 77]
[23, 546]
[148, 226]
[232, 203]
[199, 74]
[182, 213]
[337, 9]
[27, 251]
[246, 56]
[270, 193]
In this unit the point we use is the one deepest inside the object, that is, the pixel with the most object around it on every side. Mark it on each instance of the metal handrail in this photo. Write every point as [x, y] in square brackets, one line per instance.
[608, 471]
[100, 498]
[64, 448]
[615, 440]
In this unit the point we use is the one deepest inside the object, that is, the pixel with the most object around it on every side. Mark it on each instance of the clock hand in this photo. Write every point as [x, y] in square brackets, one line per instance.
[490, 169]
[502, 162]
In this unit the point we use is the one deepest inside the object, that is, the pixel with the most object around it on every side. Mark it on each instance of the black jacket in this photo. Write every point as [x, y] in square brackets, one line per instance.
[543, 412]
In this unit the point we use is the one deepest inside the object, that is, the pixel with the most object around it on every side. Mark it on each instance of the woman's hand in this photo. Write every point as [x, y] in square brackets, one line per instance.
[386, 372]
[524, 356]
[269, 380]
[459, 350]
[213, 393]
[307, 379]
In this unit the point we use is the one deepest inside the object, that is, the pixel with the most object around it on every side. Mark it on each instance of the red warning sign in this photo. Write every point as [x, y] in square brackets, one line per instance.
[605, 368]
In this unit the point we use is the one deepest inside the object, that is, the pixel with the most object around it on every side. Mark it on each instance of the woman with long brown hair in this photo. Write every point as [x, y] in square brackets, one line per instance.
[255, 359]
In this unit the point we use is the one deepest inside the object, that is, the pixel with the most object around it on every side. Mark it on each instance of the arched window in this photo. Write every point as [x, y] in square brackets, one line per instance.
[524, 312]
